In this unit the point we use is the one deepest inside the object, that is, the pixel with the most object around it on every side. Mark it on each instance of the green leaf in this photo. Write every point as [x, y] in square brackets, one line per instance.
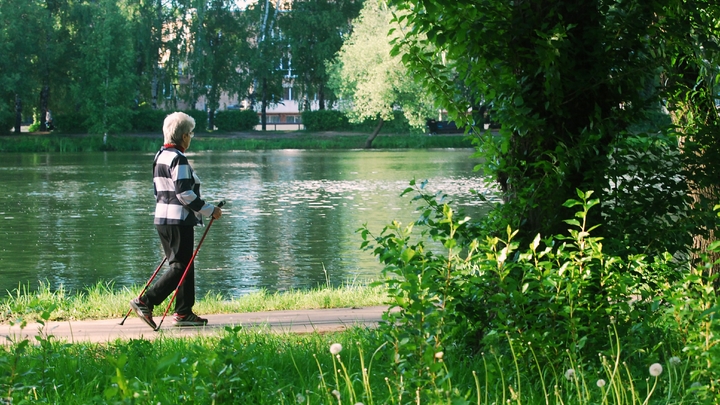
[572, 222]
[407, 255]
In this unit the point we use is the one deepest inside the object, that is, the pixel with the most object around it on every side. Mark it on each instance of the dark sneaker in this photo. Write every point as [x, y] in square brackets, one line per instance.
[143, 311]
[189, 320]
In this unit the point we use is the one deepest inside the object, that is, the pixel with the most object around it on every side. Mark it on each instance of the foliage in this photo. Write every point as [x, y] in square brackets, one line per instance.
[219, 54]
[201, 119]
[550, 71]
[236, 120]
[267, 50]
[560, 292]
[313, 48]
[6, 120]
[106, 92]
[398, 125]
[647, 209]
[324, 120]
[148, 120]
[370, 81]
[71, 123]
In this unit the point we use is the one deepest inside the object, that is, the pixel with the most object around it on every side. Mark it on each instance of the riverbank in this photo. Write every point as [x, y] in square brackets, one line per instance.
[38, 142]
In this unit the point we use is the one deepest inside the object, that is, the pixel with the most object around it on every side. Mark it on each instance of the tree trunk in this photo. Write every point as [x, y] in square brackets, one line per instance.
[371, 138]
[211, 119]
[44, 100]
[18, 113]
[321, 98]
[263, 106]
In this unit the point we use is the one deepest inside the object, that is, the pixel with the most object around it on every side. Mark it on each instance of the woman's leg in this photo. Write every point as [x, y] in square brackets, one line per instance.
[177, 242]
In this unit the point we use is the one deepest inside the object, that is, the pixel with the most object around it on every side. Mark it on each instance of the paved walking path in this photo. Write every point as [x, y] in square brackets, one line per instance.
[301, 321]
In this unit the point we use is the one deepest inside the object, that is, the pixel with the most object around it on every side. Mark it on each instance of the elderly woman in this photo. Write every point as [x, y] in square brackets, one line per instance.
[178, 210]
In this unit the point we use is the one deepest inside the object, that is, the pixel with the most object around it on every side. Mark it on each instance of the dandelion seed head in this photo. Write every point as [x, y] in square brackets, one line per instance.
[600, 383]
[569, 374]
[656, 369]
[335, 348]
[674, 361]
[300, 398]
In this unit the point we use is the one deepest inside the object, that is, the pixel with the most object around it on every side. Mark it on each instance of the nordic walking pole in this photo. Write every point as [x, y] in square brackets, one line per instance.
[146, 286]
[187, 268]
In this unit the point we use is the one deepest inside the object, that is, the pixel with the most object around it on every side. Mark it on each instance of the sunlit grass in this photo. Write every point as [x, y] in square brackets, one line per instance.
[350, 367]
[95, 143]
[103, 301]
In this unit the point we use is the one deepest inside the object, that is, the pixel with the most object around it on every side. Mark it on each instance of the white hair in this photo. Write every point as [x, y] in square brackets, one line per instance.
[176, 125]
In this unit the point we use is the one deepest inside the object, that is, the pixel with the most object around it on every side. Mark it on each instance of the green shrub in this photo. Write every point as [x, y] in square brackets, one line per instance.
[70, 123]
[398, 125]
[201, 119]
[454, 284]
[7, 121]
[244, 120]
[324, 120]
[34, 127]
[148, 120]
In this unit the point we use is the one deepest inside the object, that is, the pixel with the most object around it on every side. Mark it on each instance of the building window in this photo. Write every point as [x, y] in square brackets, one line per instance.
[293, 119]
[273, 119]
[287, 93]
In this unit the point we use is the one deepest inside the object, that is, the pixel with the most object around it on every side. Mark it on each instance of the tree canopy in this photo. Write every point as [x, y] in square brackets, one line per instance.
[568, 81]
[371, 81]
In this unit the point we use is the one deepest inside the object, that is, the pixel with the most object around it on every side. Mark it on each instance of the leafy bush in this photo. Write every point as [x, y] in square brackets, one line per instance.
[398, 125]
[646, 207]
[201, 119]
[560, 293]
[7, 121]
[244, 120]
[70, 123]
[148, 120]
[324, 120]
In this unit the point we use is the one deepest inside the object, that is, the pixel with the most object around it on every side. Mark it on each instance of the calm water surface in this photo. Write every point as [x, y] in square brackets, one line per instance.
[290, 220]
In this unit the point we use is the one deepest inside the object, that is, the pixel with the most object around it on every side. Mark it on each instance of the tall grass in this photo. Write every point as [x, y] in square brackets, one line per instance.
[220, 142]
[103, 300]
[351, 367]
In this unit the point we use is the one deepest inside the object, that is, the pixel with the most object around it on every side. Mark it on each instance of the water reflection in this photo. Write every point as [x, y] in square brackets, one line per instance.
[290, 220]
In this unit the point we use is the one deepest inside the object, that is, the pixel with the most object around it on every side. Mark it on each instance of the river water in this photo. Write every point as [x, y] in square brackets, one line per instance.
[290, 219]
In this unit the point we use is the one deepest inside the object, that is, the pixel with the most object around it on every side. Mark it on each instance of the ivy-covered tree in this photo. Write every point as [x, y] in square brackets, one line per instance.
[566, 79]
[311, 49]
[371, 81]
[691, 51]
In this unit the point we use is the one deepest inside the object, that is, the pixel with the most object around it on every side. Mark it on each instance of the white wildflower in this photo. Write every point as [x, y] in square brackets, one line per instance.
[335, 348]
[600, 383]
[336, 393]
[656, 369]
[439, 355]
[569, 374]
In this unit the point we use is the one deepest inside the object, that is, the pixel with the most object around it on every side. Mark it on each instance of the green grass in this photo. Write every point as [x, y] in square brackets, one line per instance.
[220, 142]
[103, 301]
[254, 367]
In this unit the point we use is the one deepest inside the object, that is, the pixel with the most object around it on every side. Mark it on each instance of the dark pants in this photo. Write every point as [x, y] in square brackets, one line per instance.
[177, 242]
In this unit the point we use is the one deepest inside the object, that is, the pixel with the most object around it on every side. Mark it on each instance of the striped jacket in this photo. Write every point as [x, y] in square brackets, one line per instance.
[177, 190]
